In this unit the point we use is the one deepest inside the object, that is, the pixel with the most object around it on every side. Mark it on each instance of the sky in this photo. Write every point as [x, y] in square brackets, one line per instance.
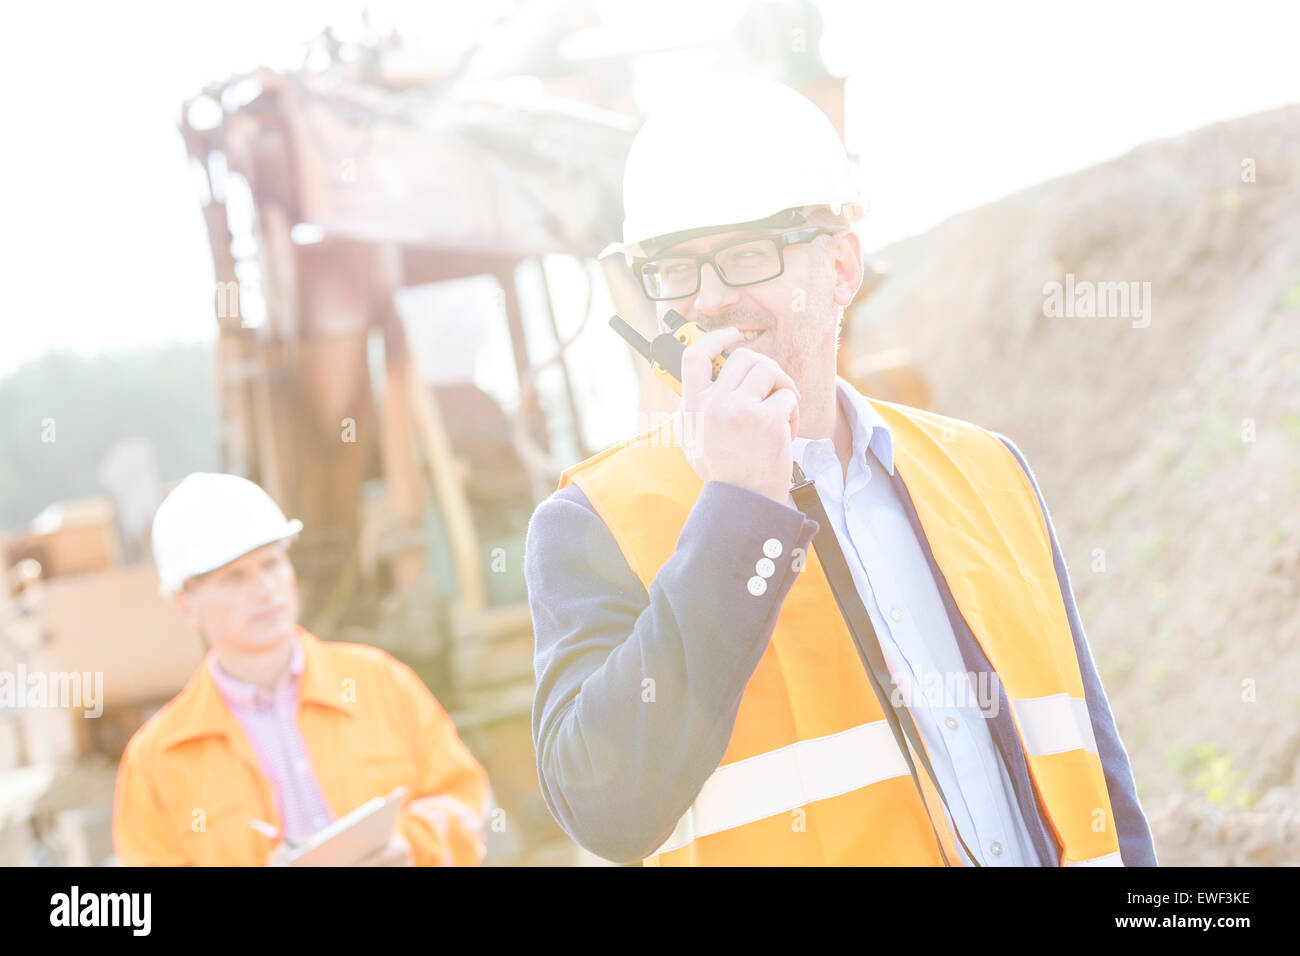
[949, 106]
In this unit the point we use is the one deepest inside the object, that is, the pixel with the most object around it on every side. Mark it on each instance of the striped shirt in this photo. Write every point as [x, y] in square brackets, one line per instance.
[270, 719]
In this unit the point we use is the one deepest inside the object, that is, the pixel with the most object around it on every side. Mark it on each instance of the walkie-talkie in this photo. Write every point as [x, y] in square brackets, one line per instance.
[664, 352]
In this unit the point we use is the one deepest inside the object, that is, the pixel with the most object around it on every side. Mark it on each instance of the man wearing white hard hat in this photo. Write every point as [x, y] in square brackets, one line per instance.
[724, 679]
[279, 734]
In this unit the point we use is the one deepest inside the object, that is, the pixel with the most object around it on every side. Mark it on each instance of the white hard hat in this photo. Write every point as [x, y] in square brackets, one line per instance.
[210, 520]
[739, 150]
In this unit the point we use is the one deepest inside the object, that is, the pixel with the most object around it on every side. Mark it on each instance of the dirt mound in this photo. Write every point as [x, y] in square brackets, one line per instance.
[1162, 420]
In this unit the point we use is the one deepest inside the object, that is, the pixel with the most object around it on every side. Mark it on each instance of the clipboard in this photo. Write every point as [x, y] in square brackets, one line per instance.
[353, 836]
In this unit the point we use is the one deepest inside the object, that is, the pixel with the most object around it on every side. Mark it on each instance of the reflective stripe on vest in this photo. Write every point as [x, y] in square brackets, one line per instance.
[782, 780]
[1053, 725]
[1110, 859]
[811, 774]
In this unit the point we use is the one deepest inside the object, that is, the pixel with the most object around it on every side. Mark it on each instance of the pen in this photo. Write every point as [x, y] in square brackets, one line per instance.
[269, 831]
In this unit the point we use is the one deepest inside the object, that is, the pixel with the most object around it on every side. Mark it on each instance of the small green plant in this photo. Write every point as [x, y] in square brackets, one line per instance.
[1291, 425]
[1116, 663]
[1157, 672]
[1210, 773]
[1160, 593]
[1291, 297]
[1118, 500]
[1194, 471]
[1154, 544]
[1142, 736]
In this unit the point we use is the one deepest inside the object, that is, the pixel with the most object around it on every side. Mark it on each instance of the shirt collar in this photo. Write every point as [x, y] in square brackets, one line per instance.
[199, 710]
[868, 428]
[241, 693]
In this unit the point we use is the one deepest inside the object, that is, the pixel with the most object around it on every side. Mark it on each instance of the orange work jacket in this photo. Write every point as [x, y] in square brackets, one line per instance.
[190, 782]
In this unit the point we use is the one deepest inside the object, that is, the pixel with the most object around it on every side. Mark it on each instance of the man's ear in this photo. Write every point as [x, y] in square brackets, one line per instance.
[185, 605]
[848, 267]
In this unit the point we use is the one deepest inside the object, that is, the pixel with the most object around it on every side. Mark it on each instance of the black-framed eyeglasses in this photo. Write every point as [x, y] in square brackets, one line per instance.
[745, 262]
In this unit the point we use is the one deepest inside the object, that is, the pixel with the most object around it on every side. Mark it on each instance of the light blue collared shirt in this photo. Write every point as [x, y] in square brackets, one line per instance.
[893, 577]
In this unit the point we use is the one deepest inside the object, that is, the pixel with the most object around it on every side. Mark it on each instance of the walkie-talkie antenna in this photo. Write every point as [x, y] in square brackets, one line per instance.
[632, 336]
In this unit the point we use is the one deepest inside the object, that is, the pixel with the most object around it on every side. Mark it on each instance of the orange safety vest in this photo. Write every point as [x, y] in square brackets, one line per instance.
[812, 774]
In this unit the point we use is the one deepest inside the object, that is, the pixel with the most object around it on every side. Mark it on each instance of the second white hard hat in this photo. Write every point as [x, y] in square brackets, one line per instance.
[210, 520]
[737, 150]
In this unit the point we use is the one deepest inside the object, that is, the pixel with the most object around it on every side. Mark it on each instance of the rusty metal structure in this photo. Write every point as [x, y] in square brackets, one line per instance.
[326, 193]
[393, 188]
[335, 196]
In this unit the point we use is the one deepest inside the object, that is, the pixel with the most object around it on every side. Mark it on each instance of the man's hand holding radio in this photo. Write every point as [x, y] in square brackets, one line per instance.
[739, 428]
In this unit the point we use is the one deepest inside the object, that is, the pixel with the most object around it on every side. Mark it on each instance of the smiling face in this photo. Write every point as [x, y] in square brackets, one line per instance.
[792, 318]
[248, 605]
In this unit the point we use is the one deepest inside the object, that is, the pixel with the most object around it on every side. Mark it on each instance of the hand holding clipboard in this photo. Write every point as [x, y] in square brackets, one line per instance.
[349, 840]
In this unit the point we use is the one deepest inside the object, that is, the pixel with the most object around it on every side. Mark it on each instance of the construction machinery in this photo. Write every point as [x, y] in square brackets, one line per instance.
[403, 258]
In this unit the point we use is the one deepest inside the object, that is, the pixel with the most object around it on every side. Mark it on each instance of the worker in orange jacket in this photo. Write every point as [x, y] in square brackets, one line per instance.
[278, 733]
